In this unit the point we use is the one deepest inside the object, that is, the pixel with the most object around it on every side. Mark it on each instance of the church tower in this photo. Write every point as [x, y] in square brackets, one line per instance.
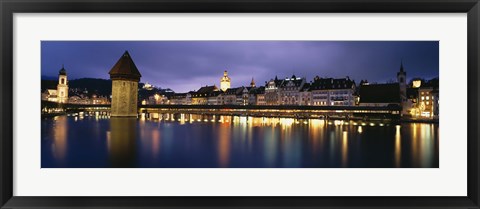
[402, 82]
[225, 81]
[62, 86]
[125, 77]
[252, 83]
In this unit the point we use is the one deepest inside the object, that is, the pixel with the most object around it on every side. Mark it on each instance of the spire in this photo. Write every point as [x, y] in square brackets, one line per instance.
[62, 71]
[252, 83]
[401, 65]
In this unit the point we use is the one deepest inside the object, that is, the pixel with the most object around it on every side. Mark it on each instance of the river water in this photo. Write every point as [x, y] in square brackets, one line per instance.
[235, 142]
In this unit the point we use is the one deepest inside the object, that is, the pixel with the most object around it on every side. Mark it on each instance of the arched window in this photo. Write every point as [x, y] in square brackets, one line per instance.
[62, 81]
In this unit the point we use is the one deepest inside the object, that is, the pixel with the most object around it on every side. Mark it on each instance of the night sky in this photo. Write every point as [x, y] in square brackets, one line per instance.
[188, 65]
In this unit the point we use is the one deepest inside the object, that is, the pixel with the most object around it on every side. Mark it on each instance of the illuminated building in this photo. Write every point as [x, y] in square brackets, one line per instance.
[125, 77]
[158, 99]
[428, 99]
[305, 95]
[180, 98]
[201, 96]
[272, 91]
[333, 92]
[235, 96]
[148, 86]
[256, 96]
[416, 83]
[62, 87]
[225, 81]
[290, 90]
[59, 95]
[213, 97]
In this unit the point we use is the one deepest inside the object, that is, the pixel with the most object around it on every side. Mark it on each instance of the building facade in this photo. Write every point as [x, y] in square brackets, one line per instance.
[125, 77]
[333, 92]
[290, 90]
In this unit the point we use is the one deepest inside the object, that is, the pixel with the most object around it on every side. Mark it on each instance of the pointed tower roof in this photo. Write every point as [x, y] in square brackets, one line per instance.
[125, 69]
[62, 71]
[401, 69]
[252, 83]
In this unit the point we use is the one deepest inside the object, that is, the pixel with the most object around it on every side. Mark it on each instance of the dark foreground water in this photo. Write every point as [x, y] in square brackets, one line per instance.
[240, 142]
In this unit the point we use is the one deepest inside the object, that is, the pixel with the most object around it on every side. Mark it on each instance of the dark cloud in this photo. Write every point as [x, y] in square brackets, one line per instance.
[187, 65]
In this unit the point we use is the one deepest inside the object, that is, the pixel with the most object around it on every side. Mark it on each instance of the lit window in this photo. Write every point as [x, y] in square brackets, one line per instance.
[427, 103]
[427, 97]
[423, 98]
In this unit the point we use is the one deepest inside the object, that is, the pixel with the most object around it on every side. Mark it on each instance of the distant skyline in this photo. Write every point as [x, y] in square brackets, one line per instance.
[187, 65]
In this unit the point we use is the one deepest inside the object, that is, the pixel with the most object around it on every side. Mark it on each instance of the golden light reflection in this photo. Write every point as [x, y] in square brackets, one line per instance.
[398, 147]
[224, 145]
[60, 138]
[345, 149]
[122, 141]
[414, 145]
[316, 130]
[155, 142]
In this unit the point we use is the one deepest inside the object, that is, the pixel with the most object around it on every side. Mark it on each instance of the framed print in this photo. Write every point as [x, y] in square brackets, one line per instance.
[243, 104]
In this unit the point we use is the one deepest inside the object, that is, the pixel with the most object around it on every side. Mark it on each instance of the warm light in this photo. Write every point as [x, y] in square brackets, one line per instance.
[360, 130]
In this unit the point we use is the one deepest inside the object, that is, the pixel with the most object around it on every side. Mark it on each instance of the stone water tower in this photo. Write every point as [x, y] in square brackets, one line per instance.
[125, 77]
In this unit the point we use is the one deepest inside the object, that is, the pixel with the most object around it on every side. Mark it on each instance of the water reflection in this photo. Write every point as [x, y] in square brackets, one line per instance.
[398, 147]
[59, 145]
[186, 140]
[122, 146]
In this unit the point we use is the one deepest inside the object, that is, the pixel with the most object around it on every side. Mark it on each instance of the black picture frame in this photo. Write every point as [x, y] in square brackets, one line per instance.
[9, 7]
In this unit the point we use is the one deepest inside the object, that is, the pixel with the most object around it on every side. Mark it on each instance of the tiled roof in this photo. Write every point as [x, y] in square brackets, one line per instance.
[125, 68]
[331, 83]
[207, 89]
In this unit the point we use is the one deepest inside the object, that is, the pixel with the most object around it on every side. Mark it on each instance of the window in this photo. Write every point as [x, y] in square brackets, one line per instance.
[428, 97]
[62, 81]
[423, 98]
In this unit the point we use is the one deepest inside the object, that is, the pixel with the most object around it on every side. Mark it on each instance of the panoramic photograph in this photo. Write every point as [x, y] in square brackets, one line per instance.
[239, 104]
